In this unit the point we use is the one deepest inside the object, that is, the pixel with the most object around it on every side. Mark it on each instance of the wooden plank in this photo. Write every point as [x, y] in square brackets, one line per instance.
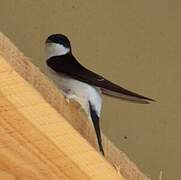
[36, 142]
[71, 111]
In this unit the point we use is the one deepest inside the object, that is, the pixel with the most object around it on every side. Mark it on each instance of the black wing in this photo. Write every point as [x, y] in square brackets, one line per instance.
[68, 65]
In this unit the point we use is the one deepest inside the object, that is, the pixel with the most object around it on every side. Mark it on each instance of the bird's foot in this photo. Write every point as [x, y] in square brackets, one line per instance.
[70, 97]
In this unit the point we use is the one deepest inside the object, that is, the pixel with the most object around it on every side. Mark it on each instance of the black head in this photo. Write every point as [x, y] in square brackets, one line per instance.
[59, 39]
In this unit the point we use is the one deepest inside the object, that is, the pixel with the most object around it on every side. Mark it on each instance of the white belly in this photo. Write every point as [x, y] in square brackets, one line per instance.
[79, 91]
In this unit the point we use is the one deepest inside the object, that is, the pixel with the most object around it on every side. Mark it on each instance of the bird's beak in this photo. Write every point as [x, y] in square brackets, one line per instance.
[48, 41]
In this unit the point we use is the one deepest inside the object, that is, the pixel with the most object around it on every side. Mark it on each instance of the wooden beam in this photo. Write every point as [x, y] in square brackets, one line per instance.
[70, 111]
[36, 142]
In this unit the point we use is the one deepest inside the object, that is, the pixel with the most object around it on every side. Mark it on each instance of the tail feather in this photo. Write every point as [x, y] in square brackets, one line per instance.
[95, 120]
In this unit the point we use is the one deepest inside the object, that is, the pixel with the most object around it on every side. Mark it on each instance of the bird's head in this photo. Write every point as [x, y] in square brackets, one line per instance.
[57, 45]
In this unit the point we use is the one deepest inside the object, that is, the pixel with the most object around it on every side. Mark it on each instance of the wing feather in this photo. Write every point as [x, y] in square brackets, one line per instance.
[69, 65]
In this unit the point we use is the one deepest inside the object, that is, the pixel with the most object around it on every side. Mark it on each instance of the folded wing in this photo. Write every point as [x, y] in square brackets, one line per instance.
[71, 67]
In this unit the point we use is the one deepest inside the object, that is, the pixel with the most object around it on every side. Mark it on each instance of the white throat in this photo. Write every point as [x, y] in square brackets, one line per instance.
[54, 49]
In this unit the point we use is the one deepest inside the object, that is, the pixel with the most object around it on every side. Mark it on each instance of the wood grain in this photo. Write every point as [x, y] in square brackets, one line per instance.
[36, 142]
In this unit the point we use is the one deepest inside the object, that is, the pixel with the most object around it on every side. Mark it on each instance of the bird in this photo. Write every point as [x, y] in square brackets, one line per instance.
[81, 84]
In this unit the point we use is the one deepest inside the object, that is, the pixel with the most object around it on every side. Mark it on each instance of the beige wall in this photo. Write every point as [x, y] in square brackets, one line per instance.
[135, 43]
